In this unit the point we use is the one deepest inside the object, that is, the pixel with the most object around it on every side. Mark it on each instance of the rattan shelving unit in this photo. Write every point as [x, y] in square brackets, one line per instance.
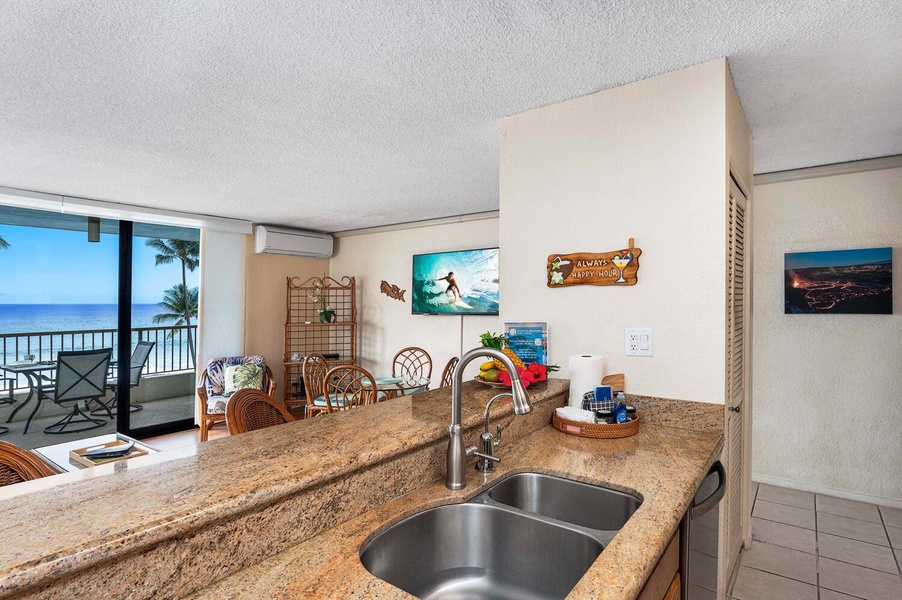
[305, 333]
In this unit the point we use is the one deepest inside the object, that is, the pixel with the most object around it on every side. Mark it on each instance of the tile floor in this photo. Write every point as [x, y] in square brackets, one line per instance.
[179, 439]
[814, 547]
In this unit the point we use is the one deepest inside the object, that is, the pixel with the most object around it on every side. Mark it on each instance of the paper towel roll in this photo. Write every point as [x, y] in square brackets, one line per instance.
[586, 371]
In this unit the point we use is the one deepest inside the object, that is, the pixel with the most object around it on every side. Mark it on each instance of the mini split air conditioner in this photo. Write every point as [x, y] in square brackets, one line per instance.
[293, 242]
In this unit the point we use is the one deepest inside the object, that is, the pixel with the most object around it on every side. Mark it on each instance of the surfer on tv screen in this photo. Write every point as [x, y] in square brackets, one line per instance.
[452, 284]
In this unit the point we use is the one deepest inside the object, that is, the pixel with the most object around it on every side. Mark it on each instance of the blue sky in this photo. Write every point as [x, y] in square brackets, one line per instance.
[837, 258]
[52, 266]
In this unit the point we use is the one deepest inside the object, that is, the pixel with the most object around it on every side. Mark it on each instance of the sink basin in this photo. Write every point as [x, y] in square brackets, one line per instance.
[565, 500]
[482, 551]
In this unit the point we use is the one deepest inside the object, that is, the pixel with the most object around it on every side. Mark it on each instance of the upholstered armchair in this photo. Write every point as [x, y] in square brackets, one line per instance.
[213, 392]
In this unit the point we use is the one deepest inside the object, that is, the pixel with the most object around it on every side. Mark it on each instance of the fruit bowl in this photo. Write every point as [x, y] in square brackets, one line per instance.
[494, 384]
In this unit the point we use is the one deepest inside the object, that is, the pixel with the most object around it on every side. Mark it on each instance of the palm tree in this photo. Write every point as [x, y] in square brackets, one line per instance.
[3, 243]
[188, 253]
[179, 306]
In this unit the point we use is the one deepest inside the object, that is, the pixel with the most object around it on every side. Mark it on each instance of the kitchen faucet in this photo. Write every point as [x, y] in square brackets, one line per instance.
[456, 477]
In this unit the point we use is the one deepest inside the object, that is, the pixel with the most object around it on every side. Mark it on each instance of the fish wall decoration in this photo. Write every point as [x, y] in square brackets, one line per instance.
[392, 291]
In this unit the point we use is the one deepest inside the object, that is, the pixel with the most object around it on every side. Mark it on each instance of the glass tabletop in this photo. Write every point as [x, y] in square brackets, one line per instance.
[384, 384]
[29, 367]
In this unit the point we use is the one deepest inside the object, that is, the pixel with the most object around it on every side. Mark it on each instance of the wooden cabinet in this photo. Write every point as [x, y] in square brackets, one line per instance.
[664, 582]
[673, 592]
[309, 328]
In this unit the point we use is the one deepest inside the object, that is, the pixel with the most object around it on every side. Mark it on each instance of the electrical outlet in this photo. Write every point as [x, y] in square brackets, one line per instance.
[639, 341]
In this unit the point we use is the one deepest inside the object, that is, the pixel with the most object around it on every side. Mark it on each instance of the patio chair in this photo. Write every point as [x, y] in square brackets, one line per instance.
[18, 465]
[211, 397]
[10, 384]
[448, 372]
[347, 387]
[80, 378]
[136, 367]
[249, 410]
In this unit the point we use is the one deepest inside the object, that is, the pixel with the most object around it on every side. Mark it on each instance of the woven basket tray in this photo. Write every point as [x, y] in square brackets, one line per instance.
[599, 431]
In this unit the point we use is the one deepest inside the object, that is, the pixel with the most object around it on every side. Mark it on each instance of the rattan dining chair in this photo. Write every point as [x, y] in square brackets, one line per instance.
[18, 465]
[412, 363]
[80, 378]
[348, 387]
[249, 410]
[314, 373]
[448, 372]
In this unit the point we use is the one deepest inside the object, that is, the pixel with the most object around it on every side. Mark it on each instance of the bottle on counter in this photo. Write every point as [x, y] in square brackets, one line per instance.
[622, 413]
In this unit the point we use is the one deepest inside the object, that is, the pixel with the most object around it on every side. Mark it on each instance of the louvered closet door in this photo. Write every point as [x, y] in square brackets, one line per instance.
[735, 500]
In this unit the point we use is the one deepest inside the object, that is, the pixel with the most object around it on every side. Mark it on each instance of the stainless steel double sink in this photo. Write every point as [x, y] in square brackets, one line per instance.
[529, 536]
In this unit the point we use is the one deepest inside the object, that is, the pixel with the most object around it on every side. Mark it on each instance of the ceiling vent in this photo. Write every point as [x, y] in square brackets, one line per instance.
[292, 242]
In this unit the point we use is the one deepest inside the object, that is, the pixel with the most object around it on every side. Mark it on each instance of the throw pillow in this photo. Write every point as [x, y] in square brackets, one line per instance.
[239, 377]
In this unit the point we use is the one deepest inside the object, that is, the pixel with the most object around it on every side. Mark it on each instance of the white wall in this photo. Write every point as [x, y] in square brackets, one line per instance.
[828, 388]
[386, 325]
[645, 160]
[265, 313]
[221, 310]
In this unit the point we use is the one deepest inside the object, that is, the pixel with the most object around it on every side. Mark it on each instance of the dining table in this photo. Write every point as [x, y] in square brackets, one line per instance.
[34, 373]
[400, 386]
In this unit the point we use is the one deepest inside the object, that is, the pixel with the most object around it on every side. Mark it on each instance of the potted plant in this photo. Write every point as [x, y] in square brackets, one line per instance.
[320, 295]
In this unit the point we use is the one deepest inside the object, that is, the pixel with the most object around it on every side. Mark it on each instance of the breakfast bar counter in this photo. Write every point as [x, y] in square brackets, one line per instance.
[662, 465]
[282, 512]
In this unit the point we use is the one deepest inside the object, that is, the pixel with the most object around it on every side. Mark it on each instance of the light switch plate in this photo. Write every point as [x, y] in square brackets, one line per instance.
[639, 341]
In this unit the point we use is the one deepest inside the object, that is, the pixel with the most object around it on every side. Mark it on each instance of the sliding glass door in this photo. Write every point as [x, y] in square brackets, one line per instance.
[59, 295]
[164, 284]
[74, 283]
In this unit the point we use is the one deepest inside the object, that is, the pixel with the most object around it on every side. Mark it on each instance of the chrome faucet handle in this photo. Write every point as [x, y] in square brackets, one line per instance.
[497, 441]
[487, 457]
[486, 462]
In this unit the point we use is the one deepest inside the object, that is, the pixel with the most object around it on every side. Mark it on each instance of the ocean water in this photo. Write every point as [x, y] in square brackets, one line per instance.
[28, 318]
[19, 323]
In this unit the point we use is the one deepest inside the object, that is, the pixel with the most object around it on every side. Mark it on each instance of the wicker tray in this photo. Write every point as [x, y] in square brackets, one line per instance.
[78, 455]
[600, 431]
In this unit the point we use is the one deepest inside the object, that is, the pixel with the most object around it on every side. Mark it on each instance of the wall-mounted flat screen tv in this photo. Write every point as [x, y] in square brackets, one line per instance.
[464, 282]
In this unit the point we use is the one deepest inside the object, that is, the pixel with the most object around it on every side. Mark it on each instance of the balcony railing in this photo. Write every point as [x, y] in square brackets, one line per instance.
[171, 352]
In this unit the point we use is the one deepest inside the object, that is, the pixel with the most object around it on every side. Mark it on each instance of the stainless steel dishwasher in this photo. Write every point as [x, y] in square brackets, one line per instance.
[698, 538]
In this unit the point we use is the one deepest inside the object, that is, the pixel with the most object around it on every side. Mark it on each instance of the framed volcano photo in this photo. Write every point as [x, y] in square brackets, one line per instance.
[839, 281]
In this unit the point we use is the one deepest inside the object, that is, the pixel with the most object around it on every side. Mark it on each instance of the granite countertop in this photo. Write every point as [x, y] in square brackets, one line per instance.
[662, 464]
[234, 511]
[59, 526]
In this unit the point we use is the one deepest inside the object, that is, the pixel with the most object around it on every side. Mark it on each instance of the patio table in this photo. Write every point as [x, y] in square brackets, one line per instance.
[32, 372]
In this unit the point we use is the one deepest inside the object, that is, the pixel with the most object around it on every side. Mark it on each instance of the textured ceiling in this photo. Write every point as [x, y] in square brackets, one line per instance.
[335, 115]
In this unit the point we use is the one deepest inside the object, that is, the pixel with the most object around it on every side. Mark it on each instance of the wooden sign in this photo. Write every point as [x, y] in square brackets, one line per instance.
[619, 267]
